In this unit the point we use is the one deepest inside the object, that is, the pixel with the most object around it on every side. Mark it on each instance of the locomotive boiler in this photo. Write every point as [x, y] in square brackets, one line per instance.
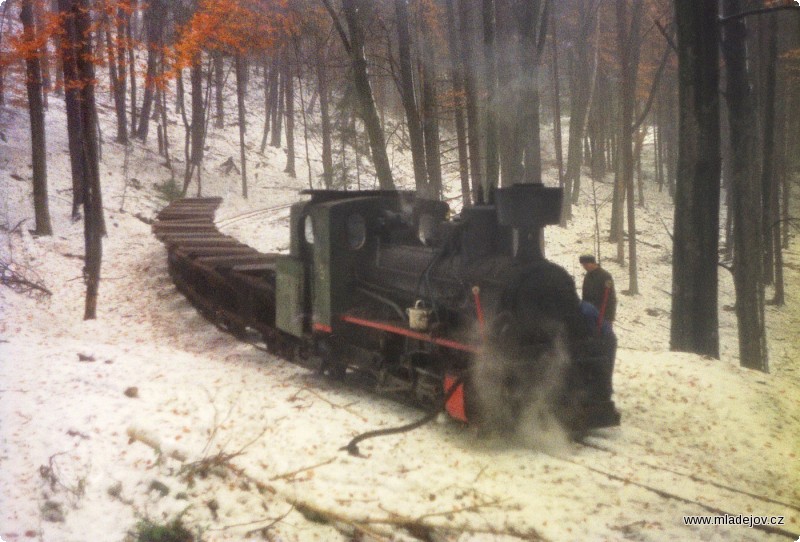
[387, 289]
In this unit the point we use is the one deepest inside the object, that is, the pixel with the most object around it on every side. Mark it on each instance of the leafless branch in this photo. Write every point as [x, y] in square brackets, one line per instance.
[22, 283]
[760, 11]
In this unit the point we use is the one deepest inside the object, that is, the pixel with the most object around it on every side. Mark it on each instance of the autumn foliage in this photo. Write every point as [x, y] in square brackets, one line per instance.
[233, 27]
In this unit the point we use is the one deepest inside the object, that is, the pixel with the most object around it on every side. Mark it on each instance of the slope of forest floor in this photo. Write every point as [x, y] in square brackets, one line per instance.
[150, 412]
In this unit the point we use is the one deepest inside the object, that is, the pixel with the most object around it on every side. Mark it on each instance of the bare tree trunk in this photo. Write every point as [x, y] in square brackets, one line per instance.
[197, 133]
[219, 84]
[2, 64]
[629, 43]
[768, 178]
[468, 58]
[786, 165]
[457, 77]
[94, 224]
[657, 157]
[580, 83]
[79, 72]
[304, 114]
[779, 174]
[278, 104]
[557, 142]
[408, 97]
[270, 96]
[430, 117]
[132, 63]
[585, 98]
[638, 145]
[747, 228]
[695, 319]
[490, 75]
[325, 121]
[121, 83]
[533, 18]
[180, 93]
[507, 103]
[72, 104]
[288, 82]
[154, 18]
[366, 103]
[242, 128]
[44, 55]
[36, 111]
[165, 132]
[59, 69]
[117, 82]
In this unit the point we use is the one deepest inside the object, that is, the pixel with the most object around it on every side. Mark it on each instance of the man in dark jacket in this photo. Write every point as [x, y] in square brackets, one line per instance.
[598, 289]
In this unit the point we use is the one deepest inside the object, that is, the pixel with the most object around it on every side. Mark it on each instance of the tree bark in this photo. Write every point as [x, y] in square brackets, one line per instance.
[154, 18]
[197, 131]
[490, 78]
[79, 73]
[325, 121]
[508, 104]
[747, 229]
[408, 96]
[288, 81]
[457, 77]
[242, 128]
[270, 96]
[219, 84]
[366, 103]
[469, 60]
[131, 63]
[430, 117]
[72, 104]
[695, 319]
[580, 83]
[533, 18]
[36, 112]
[94, 224]
[117, 74]
[557, 140]
[779, 173]
[768, 178]
[279, 101]
[628, 44]
[44, 54]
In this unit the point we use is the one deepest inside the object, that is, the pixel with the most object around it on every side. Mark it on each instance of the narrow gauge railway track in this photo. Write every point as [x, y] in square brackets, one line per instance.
[612, 453]
[714, 497]
[250, 215]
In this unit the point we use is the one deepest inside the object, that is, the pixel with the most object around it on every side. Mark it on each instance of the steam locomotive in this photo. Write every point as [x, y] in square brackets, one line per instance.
[384, 288]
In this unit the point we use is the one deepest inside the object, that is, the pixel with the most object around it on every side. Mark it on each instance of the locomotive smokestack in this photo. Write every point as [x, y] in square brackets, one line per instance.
[527, 208]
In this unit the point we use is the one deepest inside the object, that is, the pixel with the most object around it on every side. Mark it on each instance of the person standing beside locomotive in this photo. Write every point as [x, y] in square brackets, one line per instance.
[598, 289]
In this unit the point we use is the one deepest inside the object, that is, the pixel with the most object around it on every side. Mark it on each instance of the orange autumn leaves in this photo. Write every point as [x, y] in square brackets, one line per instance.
[233, 27]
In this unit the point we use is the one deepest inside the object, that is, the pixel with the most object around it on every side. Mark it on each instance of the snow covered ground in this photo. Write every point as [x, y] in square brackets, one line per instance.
[152, 412]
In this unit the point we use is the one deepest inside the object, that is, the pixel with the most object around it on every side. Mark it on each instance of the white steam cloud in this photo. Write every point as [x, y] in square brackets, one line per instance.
[516, 395]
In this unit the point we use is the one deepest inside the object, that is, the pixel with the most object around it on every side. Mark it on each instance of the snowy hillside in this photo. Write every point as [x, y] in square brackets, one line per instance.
[152, 412]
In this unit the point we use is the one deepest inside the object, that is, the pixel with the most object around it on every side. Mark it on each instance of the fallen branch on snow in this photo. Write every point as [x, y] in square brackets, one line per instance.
[379, 528]
[21, 283]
